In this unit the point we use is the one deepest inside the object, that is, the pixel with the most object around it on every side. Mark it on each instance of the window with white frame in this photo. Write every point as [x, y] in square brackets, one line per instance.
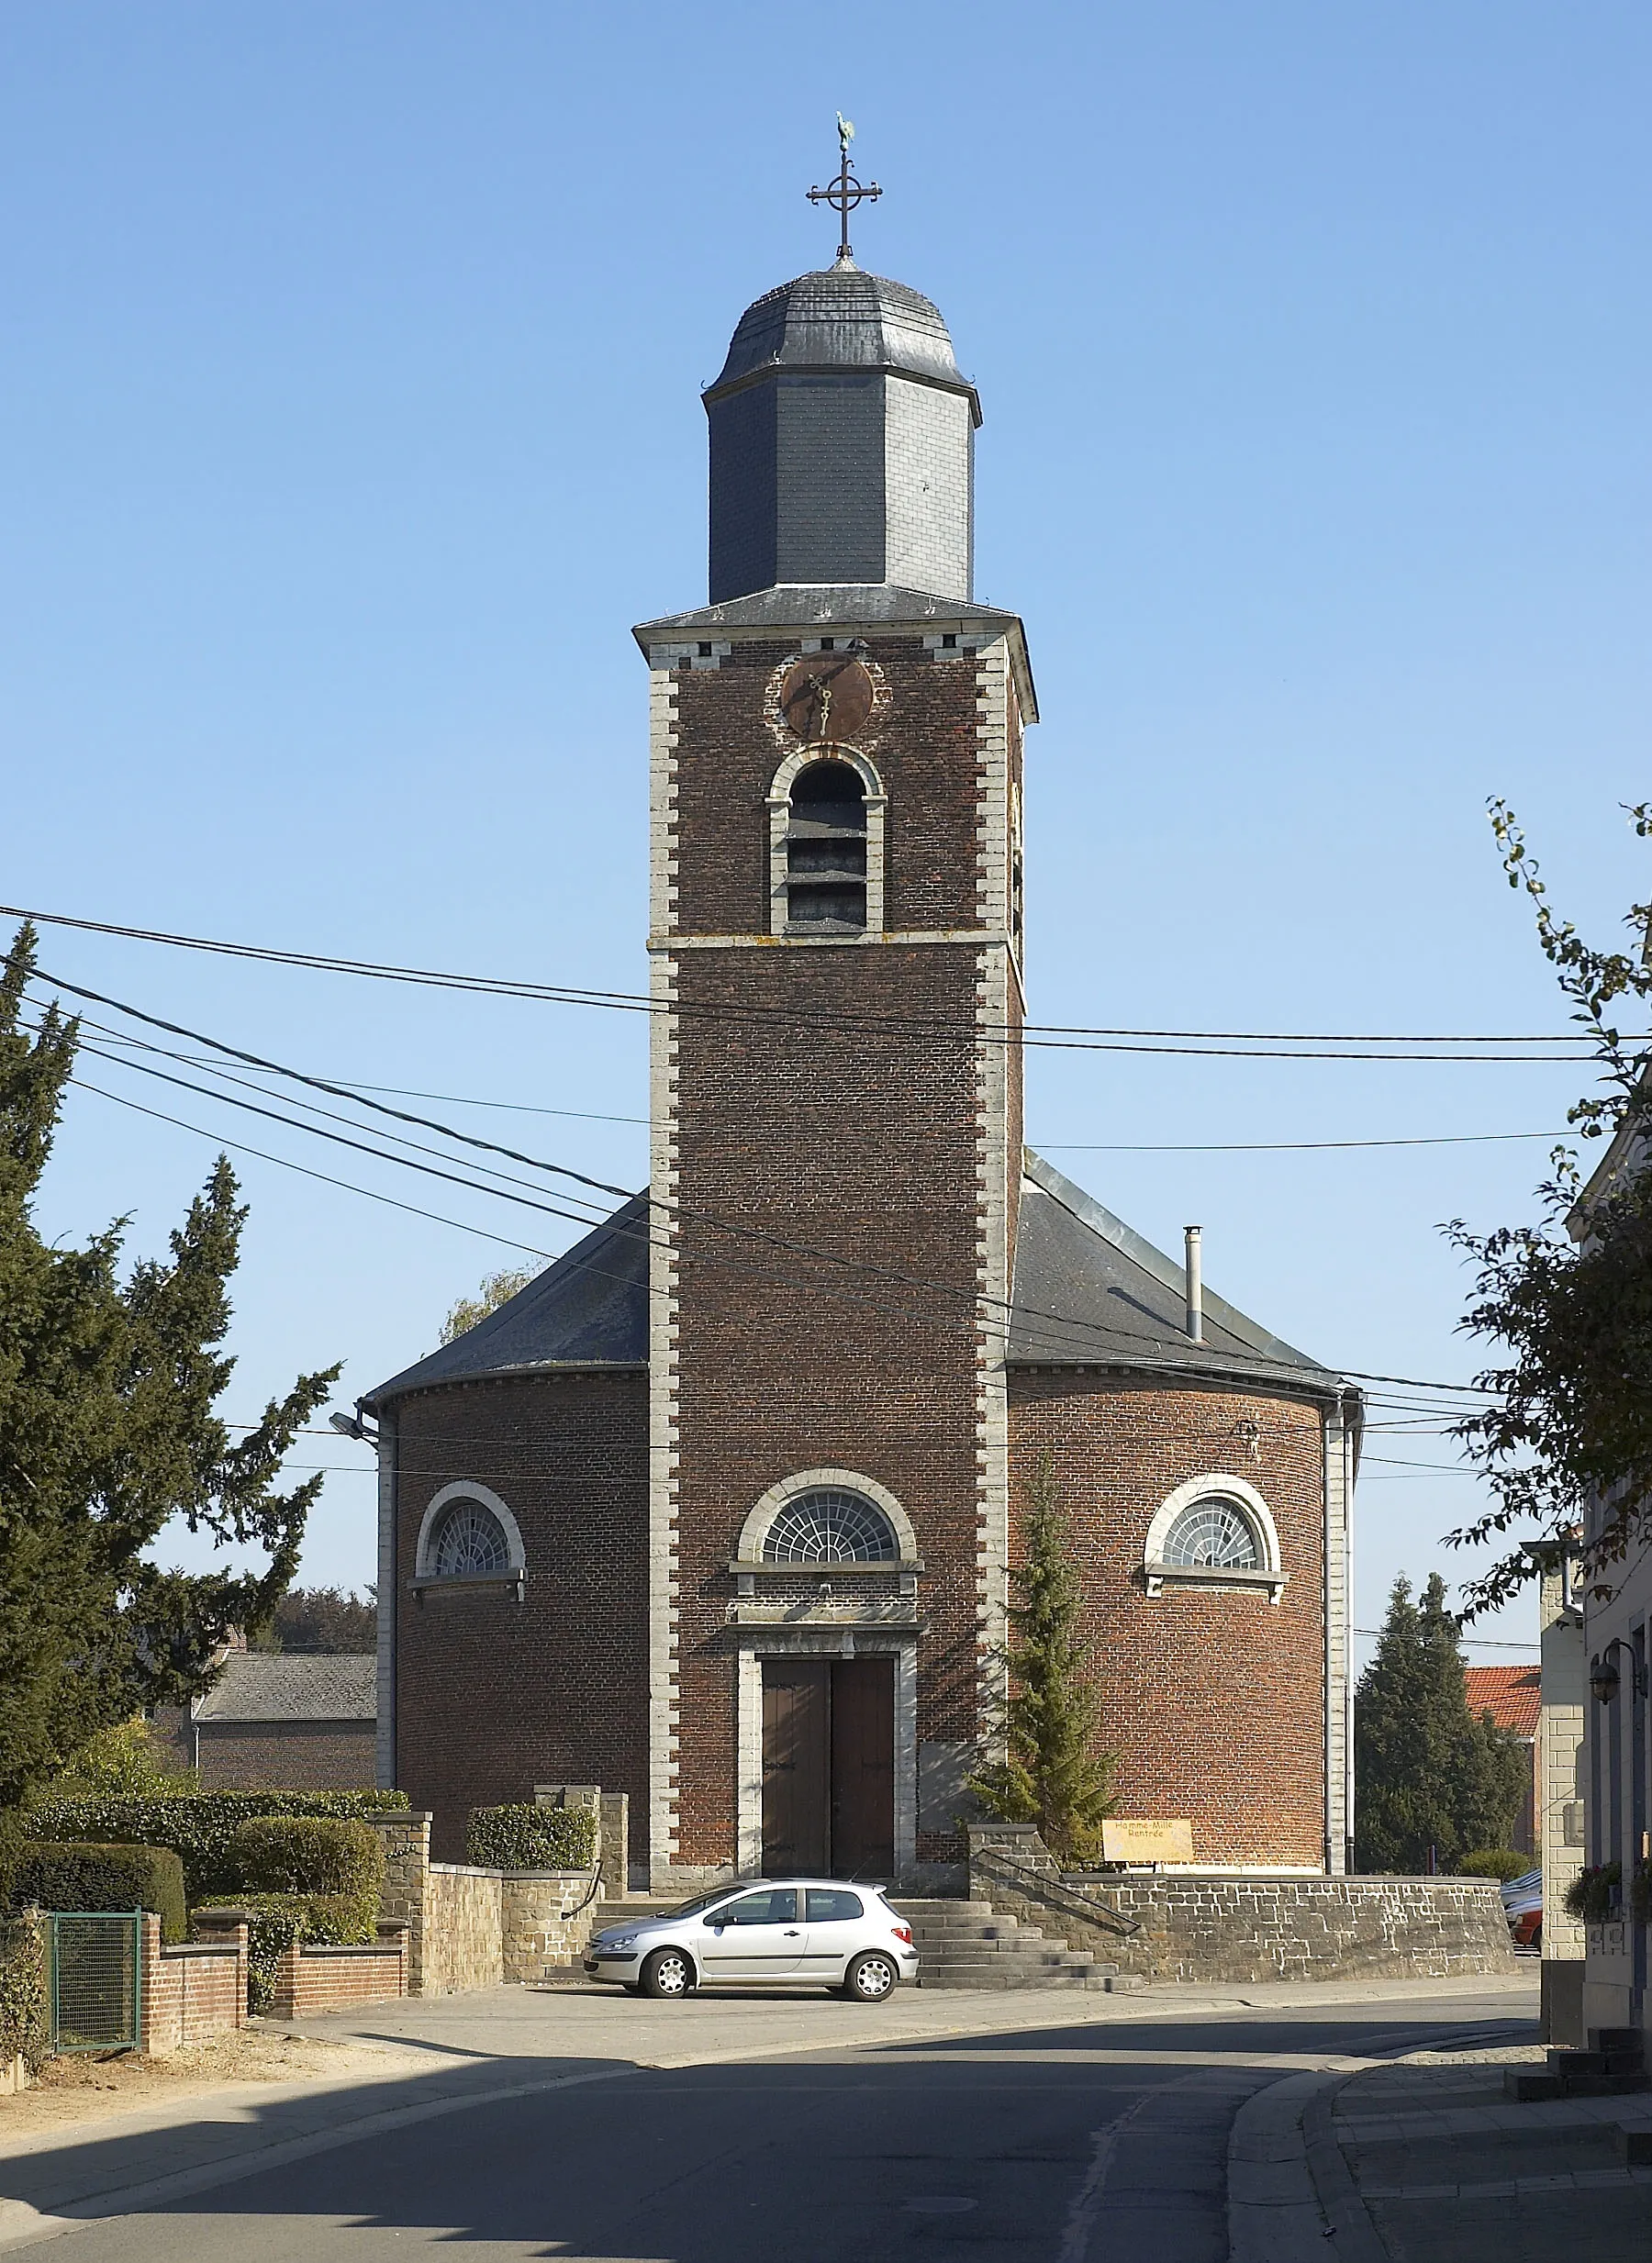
[830, 1526]
[1215, 1530]
[468, 1534]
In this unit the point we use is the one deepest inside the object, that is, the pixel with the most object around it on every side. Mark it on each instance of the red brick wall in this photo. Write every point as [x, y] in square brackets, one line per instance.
[924, 738]
[191, 1994]
[300, 1755]
[1213, 1701]
[494, 1696]
[859, 1141]
[310, 1982]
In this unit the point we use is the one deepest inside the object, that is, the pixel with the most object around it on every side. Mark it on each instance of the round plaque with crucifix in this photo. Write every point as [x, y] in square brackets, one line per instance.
[826, 697]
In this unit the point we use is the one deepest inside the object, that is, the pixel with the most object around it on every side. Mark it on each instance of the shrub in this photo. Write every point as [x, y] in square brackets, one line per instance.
[199, 1826]
[1593, 1893]
[96, 1877]
[309, 1855]
[524, 1838]
[278, 1920]
[1498, 1862]
[25, 2023]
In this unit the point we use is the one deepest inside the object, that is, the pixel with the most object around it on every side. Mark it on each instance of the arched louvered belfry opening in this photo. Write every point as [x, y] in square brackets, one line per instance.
[826, 850]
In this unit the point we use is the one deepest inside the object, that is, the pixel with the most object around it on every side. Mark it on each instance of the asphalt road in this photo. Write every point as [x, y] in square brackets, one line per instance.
[1063, 2142]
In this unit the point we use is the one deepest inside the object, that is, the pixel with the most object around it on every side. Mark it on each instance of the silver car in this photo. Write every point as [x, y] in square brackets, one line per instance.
[784, 1931]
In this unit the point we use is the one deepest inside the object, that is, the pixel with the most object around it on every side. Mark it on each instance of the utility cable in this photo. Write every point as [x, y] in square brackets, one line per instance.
[1210, 1044]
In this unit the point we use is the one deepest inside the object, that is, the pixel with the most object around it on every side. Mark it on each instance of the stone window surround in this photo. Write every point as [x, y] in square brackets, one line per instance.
[779, 808]
[805, 1641]
[425, 1574]
[1159, 1575]
[748, 1557]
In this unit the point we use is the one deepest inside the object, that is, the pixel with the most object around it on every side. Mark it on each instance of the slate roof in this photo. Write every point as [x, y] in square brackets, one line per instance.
[282, 1686]
[588, 1310]
[1511, 1695]
[841, 318]
[1089, 1290]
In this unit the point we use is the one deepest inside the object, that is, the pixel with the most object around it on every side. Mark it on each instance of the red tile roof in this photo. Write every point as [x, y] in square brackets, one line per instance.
[1509, 1693]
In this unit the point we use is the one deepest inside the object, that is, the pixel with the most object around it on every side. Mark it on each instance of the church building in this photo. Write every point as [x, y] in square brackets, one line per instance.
[720, 1510]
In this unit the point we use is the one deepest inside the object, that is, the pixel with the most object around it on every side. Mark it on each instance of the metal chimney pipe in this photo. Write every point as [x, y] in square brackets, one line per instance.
[1195, 1289]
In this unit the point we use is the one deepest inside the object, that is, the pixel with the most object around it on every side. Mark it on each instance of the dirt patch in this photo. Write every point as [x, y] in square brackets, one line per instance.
[88, 2087]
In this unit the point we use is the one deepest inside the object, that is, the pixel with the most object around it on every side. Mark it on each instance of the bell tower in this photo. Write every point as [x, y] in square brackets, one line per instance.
[835, 772]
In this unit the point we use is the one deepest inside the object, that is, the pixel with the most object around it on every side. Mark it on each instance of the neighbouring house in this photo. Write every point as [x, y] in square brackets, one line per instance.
[277, 1719]
[1616, 1602]
[1512, 1695]
[1560, 1779]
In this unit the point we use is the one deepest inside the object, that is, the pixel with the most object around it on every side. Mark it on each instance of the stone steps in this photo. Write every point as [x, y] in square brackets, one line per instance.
[1613, 2065]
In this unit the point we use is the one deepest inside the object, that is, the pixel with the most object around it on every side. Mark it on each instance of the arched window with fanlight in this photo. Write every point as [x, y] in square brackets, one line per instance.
[826, 841]
[830, 1526]
[468, 1536]
[1215, 1530]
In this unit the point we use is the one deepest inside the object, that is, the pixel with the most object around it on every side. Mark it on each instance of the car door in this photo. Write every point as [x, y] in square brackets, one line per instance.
[835, 1922]
[757, 1937]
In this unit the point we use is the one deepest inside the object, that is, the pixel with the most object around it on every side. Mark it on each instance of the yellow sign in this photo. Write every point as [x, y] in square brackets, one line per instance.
[1146, 1842]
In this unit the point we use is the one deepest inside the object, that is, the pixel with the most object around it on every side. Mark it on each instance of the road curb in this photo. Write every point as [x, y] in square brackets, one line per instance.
[1289, 2188]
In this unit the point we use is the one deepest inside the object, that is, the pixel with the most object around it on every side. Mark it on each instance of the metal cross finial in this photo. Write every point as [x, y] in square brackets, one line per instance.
[845, 193]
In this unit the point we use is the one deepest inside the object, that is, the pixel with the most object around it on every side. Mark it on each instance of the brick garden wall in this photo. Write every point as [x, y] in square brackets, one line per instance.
[495, 1695]
[313, 1980]
[1211, 1699]
[191, 1994]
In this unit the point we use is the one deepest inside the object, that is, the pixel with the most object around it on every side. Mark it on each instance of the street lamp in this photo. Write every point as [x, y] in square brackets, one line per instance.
[1604, 1676]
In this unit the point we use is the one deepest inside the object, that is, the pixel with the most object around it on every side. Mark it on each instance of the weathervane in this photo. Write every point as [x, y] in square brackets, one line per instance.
[844, 193]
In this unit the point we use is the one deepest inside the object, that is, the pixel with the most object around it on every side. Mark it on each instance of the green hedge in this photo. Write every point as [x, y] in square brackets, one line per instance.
[524, 1838]
[96, 1877]
[278, 1920]
[308, 1855]
[1593, 1896]
[1501, 1863]
[25, 2020]
[199, 1826]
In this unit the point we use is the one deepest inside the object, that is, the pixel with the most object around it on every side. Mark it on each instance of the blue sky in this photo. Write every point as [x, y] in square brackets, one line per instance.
[348, 370]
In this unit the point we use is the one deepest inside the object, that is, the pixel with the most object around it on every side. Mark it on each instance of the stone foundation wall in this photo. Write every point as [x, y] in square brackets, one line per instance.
[1189, 1925]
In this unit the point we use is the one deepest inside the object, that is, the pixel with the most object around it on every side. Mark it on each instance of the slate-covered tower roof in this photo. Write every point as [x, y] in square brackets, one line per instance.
[842, 442]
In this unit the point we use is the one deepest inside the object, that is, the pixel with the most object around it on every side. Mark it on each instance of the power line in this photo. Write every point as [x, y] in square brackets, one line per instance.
[1203, 1043]
[1074, 1334]
[1046, 1147]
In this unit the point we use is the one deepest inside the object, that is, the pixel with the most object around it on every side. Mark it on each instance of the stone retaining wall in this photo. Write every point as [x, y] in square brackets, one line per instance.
[547, 1917]
[1192, 1926]
[463, 1945]
[474, 1928]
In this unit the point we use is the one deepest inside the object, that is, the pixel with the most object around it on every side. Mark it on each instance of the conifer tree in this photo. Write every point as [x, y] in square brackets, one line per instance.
[1430, 1780]
[107, 1429]
[1053, 1773]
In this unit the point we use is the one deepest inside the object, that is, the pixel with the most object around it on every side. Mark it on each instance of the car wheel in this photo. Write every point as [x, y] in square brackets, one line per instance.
[870, 1978]
[1537, 1934]
[667, 1973]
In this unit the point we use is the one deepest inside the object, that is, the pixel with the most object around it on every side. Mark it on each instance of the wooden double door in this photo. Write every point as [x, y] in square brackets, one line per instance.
[829, 1767]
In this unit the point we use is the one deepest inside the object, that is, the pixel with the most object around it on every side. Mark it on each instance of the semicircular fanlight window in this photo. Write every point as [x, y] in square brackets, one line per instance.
[1214, 1533]
[468, 1538]
[829, 1526]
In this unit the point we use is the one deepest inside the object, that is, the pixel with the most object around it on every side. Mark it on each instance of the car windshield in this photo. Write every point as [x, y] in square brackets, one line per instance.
[701, 1901]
